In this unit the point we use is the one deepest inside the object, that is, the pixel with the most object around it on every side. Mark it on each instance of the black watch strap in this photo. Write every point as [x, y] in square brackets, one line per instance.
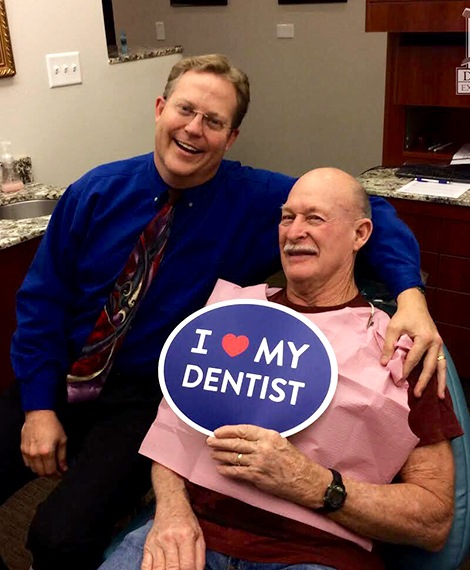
[335, 494]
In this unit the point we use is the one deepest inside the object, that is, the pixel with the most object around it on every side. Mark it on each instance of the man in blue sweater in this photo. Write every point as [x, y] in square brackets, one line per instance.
[224, 226]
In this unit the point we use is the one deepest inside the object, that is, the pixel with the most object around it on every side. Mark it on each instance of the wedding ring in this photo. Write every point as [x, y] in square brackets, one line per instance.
[239, 458]
[441, 357]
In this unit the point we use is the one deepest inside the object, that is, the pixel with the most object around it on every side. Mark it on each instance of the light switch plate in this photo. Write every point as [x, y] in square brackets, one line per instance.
[63, 69]
[160, 30]
[285, 30]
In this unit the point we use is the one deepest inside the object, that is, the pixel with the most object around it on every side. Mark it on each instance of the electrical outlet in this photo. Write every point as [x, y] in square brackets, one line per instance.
[63, 69]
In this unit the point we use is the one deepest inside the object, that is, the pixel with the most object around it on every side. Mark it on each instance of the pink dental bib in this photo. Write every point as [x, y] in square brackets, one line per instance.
[364, 433]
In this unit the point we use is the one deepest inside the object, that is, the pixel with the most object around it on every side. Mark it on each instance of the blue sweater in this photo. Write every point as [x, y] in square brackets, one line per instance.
[226, 228]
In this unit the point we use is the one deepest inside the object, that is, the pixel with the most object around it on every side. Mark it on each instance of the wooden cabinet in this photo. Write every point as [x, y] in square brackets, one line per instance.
[415, 16]
[443, 233]
[426, 44]
[14, 263]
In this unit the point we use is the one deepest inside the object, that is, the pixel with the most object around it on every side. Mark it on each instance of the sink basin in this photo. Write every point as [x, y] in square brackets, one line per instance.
[28, 209]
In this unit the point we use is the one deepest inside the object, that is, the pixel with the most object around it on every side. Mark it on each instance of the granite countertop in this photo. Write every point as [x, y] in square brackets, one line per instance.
[378, 181]
[143, 53]
[13, 232]
[383, 182]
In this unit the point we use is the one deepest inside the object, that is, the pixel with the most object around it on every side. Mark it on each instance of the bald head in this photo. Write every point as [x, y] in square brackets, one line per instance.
[338, 186]
[325, 222]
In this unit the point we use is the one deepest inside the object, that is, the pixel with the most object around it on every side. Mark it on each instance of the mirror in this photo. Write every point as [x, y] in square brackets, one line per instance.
[131, 28]
[7, 65]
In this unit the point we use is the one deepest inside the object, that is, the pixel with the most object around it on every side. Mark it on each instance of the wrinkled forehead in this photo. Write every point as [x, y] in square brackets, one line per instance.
[318, 194]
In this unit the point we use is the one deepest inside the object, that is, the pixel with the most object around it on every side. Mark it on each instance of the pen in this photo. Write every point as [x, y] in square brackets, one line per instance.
[440, 147]
[419, 179]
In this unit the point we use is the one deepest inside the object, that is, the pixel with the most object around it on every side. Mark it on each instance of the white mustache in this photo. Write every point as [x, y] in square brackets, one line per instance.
[299, 248]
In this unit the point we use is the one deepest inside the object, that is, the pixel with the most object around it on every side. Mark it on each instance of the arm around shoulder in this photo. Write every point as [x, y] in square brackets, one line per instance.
[392, 252]
[413, 318]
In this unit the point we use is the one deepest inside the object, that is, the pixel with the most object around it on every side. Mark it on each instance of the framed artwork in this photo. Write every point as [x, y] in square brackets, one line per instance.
[309, 1]
[7, 65]
[199, 2]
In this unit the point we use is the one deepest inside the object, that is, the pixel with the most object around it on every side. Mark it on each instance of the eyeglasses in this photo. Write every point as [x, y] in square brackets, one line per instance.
[209, 121]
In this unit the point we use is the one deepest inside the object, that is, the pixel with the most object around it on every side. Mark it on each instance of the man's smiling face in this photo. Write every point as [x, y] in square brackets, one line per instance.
[188, 152]
[319, 230]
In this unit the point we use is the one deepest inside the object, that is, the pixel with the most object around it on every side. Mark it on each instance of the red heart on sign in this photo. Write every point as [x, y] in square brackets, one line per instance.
[235, 345]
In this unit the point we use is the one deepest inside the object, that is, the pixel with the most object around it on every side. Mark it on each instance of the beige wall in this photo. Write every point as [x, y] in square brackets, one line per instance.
[68, 130]
[317, 99]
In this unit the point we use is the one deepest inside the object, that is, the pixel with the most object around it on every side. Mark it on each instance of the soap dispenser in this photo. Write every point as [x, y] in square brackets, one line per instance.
[11, 181]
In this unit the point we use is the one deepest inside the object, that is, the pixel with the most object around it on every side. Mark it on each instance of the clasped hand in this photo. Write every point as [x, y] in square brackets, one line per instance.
[175, 541]
[44, 443]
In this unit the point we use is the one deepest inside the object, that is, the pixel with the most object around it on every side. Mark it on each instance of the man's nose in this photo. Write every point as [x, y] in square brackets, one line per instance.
[195, 125]
[296, 229]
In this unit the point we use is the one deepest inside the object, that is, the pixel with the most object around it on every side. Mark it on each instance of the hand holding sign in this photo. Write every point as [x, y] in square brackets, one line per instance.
[248, 361]
[270, 462]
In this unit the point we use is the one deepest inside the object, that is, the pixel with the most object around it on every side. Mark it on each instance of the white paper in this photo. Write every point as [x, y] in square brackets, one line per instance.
[435, 188]
[462, 156]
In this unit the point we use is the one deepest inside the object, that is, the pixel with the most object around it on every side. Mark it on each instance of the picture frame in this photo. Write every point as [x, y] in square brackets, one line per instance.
[199, 2]
[310, 1]
[7, 64]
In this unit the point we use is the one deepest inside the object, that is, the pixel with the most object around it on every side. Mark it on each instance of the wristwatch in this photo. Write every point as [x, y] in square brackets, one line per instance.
[335, 494]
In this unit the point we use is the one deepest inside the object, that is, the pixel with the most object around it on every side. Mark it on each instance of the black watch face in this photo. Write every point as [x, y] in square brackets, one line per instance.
[335, 496]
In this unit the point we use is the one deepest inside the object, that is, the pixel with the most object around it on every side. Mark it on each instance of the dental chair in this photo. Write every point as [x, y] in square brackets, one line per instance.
[458, 543]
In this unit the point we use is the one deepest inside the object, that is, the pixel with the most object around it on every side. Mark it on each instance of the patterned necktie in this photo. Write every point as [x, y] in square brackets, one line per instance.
[88, 373]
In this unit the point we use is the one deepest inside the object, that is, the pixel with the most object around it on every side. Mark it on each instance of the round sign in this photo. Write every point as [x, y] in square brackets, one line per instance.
[248, 362]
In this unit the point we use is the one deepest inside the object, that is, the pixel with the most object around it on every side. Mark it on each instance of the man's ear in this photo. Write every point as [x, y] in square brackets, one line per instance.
[363, 230]
[159, 106]
[231, 138]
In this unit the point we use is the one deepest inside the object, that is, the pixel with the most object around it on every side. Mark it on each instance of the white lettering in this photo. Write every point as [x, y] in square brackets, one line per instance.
[251, 387]
[281, 394]
[190, 368]
[202, 337]
[264, 388]
[263, 350]
[229, 379]
[296, 353]
[295, 390]
[211, 379]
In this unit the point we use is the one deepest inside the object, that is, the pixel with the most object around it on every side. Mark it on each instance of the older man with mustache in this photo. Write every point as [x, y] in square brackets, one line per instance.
[327, 497]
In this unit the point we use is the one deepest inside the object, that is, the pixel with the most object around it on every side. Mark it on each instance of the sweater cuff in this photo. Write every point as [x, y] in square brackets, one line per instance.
[37, 395]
